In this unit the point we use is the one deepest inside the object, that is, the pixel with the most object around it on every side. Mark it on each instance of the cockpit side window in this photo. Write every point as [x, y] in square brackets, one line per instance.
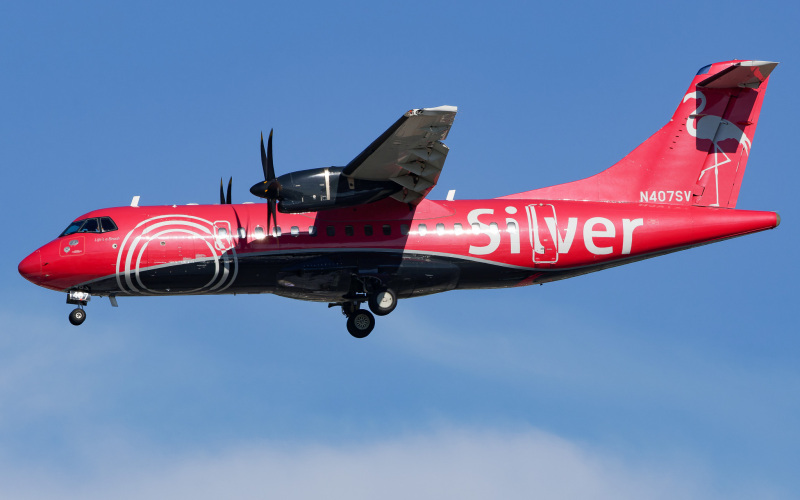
[91, 226]
[107, 224]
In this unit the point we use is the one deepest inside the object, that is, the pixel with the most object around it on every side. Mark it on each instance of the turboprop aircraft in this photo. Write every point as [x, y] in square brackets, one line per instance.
[368, 233]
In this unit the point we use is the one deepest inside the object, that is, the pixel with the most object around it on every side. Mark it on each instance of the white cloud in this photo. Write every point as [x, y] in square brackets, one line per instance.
[44, 370]
[460, 464]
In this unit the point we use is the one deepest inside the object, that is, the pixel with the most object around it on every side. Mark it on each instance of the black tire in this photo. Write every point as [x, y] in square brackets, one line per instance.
[360, 323]
[77, 316]
[383, 301]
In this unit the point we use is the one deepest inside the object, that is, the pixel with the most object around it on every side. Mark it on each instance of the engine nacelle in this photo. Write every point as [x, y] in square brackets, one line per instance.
[326, 188]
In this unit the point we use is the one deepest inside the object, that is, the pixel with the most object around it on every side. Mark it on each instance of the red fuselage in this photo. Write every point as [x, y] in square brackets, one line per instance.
[325, 256]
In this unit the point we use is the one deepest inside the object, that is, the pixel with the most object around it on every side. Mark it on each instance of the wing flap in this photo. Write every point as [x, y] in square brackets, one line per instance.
[410, 153]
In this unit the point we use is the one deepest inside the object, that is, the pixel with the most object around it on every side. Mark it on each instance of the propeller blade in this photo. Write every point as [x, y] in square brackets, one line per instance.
[221, 193]
[270, 189]
[270, 167]
[264, 158]
[230, 184]
[272, 208]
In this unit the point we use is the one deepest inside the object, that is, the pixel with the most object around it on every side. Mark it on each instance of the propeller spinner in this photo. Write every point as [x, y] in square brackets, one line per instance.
[270, 189]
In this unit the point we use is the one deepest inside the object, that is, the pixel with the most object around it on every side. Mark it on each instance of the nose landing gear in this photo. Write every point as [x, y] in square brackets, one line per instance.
[78, 298]
[77, 316]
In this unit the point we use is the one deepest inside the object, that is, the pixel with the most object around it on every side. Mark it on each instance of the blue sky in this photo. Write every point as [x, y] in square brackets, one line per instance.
[674, 377]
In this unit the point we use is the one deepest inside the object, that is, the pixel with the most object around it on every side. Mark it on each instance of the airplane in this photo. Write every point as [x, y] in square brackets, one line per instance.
[367, 232]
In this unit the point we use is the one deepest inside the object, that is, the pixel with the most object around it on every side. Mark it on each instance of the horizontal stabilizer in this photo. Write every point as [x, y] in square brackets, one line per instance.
[750, 74]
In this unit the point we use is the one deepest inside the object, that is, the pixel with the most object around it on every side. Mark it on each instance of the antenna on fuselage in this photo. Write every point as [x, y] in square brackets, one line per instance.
[135, 201]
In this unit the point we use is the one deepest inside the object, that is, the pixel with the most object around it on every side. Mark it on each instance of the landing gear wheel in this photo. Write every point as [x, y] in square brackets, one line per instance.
[77, 316]
[383, 301]
[360, 323]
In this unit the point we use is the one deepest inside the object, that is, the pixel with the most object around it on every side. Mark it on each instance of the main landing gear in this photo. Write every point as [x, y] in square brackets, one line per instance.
[361, 322]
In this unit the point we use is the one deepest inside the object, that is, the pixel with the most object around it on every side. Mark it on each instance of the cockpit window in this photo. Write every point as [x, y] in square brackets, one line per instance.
[93, 225]
[73, 228]
[90, 226]
[107, 224]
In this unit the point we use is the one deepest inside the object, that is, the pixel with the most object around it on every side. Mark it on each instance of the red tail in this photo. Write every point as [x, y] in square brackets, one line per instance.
[698, 158]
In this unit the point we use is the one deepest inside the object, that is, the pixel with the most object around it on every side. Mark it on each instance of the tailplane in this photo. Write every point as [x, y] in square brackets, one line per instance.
[698, 158]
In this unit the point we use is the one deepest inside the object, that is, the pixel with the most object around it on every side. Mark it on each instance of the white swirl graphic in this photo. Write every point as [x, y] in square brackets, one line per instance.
[133, 258]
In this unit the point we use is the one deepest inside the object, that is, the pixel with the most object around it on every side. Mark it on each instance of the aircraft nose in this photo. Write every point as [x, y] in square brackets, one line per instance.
[31, 266]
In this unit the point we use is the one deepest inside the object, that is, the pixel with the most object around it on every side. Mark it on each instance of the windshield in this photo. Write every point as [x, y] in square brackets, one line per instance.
[93, 225]
[73, 228]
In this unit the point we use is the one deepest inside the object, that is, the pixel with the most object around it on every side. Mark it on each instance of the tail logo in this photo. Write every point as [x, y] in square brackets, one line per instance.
[716, 130]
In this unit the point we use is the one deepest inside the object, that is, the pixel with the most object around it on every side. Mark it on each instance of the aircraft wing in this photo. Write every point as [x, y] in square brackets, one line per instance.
[410, 153]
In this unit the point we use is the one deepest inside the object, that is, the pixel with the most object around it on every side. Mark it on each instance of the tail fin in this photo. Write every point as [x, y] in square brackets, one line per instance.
[698, 158]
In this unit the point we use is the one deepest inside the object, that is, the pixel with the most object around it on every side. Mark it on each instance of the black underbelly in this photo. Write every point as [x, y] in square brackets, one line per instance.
[322, 276]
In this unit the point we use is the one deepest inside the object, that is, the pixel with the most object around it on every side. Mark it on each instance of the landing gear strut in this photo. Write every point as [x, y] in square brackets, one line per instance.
[78, 298]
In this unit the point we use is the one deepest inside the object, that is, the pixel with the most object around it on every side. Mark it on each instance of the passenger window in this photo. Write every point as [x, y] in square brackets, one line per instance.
[367, 230]
[91, 226]
[476, 228]
[276, 231]
[404, 229]
[242, 233]
[107, 224]
[258, 232]
[422, 229]
[295, 231]
[493, 228]
[512, 227]
[348, 230]
[440, 229]
[458, 228]
[312, 230]
[387, 229]
[222, 232]
[331, 231]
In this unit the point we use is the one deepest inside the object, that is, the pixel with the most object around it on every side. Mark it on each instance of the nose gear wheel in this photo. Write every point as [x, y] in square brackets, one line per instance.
[77, 316]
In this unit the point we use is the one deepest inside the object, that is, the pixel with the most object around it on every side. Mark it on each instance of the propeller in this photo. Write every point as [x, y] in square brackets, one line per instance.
[222, 199]
[270, 189]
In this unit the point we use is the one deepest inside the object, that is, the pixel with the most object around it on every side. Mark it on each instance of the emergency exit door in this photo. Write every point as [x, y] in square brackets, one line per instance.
[543, 232]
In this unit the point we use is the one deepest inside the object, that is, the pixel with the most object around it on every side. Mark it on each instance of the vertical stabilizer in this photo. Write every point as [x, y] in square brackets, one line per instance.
[698, 158]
